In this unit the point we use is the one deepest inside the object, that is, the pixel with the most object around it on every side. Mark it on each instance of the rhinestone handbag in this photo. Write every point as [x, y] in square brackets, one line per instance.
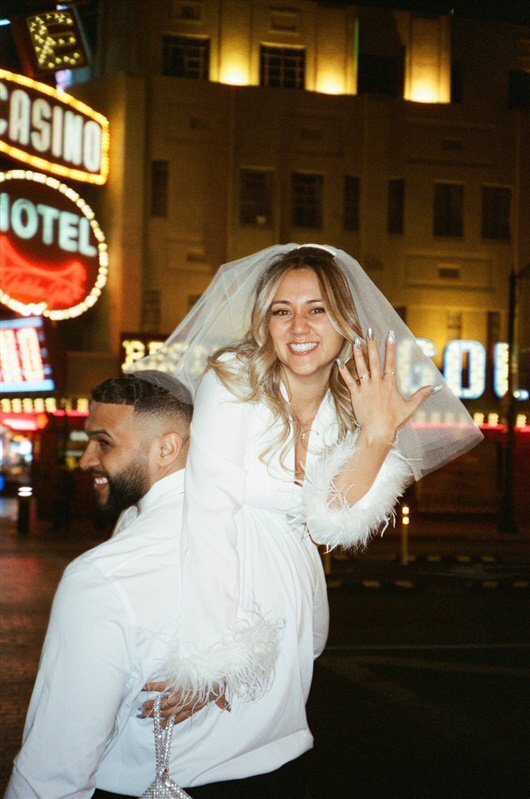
[163, 787]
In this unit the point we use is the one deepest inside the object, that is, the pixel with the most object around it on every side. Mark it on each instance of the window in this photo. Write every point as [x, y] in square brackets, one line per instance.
[351, 202]
[396, 205]
[448, 209]
[282, 66]
[519, 89]
[380, 75]
[185, 57]
[159, 188]
[255, 197]
[496, 202]
[457, 83]
[307, 200]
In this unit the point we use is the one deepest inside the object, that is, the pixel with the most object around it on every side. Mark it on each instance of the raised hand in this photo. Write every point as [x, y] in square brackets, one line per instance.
[378, 406]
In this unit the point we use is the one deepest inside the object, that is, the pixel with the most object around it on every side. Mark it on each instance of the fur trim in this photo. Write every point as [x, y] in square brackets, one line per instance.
[241, 664]
[344, 525]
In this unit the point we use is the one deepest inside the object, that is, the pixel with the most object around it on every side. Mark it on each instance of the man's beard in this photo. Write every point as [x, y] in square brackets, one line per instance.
[125, 489]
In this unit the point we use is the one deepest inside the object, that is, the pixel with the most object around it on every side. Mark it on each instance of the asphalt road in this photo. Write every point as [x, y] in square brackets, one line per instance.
[423, 694]
[424, 688]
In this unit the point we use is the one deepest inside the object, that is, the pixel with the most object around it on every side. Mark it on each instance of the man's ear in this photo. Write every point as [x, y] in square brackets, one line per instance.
[170, 445]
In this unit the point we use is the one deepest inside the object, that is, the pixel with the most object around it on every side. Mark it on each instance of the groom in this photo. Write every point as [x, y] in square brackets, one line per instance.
[114, 613]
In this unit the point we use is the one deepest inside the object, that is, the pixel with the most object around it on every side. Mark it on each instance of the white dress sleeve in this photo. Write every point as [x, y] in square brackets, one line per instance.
[222, 642]
[328, 516]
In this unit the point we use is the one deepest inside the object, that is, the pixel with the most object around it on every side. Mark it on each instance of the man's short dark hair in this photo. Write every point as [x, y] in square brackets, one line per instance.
[145, 396]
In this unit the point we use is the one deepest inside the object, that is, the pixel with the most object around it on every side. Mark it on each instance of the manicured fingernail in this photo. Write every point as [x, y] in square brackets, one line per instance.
[436, 389]
[340, 363]
[357, 342]
[228, 708]
[140, 716]
[391, 335]
[370, 334]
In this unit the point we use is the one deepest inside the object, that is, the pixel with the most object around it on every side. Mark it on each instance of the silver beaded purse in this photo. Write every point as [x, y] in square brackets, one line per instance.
[163, 787]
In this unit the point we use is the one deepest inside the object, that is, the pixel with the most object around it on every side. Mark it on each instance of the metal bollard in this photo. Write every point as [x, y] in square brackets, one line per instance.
[405, 521]
[24, 509]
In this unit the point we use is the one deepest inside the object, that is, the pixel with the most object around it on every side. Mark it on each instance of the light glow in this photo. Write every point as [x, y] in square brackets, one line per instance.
[330, 83]
[234, 73]
[425, 90]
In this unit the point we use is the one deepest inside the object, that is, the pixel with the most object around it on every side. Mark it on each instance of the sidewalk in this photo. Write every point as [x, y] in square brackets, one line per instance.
[437, 553]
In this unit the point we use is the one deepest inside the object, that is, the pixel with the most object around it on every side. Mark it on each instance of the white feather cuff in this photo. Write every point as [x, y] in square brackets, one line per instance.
[241, 664]
[330, 519]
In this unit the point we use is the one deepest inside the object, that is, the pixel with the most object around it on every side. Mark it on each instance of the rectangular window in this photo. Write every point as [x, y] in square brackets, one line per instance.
[448, 209]
[255, 197]
[396, 205]
[282, 67]
[307, 200]
[381, 75]
[519, 89]
[496, 201]
[159, 187]
[351, 202]
[457, 83]
[185, 57]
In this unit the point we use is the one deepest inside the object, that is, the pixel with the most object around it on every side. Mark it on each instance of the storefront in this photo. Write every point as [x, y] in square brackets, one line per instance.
[53, 267]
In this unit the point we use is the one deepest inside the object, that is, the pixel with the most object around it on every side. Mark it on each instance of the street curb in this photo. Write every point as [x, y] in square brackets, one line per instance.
[403, 585]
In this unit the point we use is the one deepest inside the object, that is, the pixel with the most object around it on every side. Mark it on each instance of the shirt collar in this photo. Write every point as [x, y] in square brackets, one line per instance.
[172, 482]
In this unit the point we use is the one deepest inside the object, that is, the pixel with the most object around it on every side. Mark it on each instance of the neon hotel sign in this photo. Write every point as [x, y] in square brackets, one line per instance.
[53, 254]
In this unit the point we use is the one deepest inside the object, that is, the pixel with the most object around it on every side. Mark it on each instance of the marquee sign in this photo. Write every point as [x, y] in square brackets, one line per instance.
[28, 363]
[464, 364]
[51, 130]
[49, 40]
[53, 254]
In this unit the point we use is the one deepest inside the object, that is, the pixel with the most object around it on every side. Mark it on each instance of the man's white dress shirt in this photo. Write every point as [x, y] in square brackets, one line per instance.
[113, 616]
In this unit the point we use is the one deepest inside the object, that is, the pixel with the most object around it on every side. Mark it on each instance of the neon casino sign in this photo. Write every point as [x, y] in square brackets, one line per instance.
[51, 130]
[53, 254]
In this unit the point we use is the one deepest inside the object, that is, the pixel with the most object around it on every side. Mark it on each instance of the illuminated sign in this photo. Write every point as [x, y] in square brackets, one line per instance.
[137, 345]
[51, 130]
[472, 354]
[49, 41]
[53, 254]
[25, 357]
[464, 366]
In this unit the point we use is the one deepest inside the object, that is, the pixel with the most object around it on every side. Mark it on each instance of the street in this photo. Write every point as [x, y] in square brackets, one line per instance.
[423, 695]
[423, 690]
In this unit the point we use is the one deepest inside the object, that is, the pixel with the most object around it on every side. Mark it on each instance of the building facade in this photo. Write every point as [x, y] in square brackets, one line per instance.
[400, 137]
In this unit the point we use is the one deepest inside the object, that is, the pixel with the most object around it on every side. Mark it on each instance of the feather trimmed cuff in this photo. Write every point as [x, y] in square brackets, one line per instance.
[241, 664]
[330, 519]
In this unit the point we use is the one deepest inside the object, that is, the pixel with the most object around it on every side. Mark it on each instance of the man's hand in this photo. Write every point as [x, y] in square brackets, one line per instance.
[181, 705]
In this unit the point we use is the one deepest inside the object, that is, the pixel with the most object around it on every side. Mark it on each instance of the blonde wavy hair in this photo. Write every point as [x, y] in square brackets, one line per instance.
[255, 374]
